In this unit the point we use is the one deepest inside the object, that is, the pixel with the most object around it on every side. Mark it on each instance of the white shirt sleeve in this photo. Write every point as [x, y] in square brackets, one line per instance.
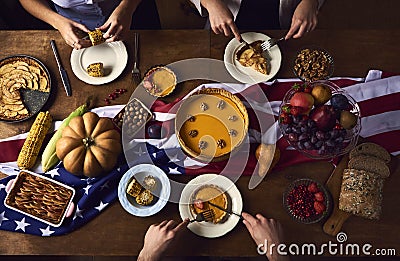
[233, 6]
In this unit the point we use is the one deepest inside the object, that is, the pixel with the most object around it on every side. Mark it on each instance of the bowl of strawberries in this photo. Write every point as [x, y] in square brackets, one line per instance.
[307, 201]
[320, 119]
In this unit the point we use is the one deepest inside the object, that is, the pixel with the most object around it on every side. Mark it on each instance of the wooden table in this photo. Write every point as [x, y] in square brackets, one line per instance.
[117, 233]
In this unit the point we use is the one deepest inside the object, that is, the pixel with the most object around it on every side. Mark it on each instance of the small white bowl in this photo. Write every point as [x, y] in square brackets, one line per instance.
[161, 193]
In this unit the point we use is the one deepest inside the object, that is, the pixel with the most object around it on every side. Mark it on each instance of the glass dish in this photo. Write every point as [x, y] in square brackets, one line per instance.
[313, 64]
[301, 185]
[350, 136]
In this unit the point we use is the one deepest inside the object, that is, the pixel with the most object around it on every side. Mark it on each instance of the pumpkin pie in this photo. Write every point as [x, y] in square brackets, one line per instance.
[215, 195]
[251, 56]
[210, 124]
[159, 81]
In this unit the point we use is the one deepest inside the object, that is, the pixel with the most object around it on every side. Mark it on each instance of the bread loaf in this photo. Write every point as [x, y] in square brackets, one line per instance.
[371, 149]
[361, 193]
[371, 164]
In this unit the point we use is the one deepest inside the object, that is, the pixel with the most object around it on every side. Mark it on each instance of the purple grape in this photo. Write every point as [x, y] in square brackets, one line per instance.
[311, 123]
[313, 139]
[297, 130]
[319, 144]
[334, 133]
[304, 129]
[303, 137]
[320, 135]
[308, 145]
[292, 137]
[330, 143]
[339, 140]
[300, 145]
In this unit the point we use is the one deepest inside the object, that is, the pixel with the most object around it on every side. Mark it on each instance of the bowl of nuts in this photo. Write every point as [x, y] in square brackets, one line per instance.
[313, 64]
[307, 201]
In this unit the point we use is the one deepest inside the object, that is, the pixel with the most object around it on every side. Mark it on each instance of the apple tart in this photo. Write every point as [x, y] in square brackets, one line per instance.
[17, 74]
[251, 56]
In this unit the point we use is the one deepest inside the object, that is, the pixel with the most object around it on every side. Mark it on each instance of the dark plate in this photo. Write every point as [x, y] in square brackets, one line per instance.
[32, 99]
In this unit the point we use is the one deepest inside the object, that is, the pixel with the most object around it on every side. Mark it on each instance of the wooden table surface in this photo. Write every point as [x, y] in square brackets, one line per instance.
[116, 232]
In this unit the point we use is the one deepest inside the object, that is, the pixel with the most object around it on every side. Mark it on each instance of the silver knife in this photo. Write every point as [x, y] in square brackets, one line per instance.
[225, 210]
[63, 72]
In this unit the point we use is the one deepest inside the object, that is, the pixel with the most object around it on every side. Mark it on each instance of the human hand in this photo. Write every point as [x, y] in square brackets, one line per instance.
[119, 21]
[159, 237]
[304, 19]
[69, 31]
[264, 230]
[221, 18]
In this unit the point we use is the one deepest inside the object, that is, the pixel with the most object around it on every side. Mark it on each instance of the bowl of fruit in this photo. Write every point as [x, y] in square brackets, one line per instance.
[320, 119]
[307, 201]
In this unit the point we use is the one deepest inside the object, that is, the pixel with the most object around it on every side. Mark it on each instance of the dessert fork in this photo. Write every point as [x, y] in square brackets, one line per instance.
[135, 71]
[266, 45]
[225, 210]
[206, 215]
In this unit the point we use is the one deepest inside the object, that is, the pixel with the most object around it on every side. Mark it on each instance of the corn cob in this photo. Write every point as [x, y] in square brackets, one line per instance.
[96, 37]
[30, 150]
[49, 156]
[95, 70]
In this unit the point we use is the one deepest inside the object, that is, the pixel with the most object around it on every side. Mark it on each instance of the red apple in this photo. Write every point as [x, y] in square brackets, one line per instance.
[303, 100]
[324, 117]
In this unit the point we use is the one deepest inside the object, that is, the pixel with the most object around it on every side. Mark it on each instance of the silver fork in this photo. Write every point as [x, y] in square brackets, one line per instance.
[135, 71]
[206, 215]
[266, 45]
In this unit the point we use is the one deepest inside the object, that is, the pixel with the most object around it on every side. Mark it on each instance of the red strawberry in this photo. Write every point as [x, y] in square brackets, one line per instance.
[296, 110]
[297, 87]
[198, 204]
[312, 188]
[319, 207]
[338, 126]
[319, 196]
[286, 108]
[307, 89]
[285, 118]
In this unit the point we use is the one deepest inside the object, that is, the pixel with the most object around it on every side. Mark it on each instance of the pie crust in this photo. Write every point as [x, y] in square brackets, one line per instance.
[214, 194]
[159, 81]
[252, 57]
[211, 124]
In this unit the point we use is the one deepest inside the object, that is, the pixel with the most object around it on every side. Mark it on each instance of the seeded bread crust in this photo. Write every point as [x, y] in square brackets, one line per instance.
[371, 149]
[361, 193]
[371, 164]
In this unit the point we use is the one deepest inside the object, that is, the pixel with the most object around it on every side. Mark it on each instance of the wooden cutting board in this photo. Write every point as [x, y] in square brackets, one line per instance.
[333, 224]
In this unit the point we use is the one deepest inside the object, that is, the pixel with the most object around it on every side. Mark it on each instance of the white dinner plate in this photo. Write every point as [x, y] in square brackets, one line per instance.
[207, 229]
[113, 56]
[246, 74]
[162, 191]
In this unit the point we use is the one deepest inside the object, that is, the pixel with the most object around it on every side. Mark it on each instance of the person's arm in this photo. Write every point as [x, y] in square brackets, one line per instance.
[263, 231]
[158, 238]
[221, 18]
[41, 10]
[304, 18]
[119, 20]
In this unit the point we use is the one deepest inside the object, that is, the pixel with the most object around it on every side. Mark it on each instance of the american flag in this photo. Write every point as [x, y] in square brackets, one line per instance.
[377, 95]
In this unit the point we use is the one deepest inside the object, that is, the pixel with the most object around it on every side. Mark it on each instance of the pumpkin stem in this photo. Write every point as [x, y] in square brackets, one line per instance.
[88, 141]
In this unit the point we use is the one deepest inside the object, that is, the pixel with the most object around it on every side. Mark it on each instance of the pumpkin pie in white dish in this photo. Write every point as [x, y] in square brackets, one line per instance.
[159, 81]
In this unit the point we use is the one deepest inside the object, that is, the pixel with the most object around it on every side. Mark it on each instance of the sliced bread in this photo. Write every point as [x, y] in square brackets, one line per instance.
[370, 149]
[371, 164]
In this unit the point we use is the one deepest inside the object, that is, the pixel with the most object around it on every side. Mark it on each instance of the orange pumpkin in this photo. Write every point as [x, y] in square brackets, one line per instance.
[89, 145]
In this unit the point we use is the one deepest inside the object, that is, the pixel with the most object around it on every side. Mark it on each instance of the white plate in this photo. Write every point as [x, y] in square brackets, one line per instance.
[113, 56]
[207, 229]
[162, 191]
[247, 74]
